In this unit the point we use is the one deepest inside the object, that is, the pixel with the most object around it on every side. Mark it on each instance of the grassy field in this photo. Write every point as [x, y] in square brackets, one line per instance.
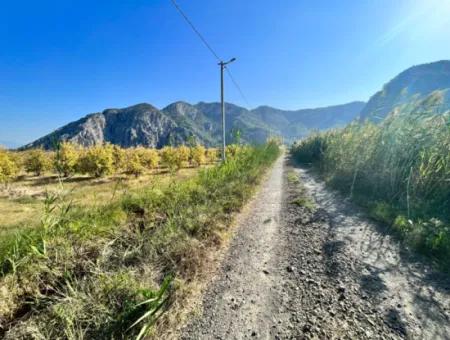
[399, 170]
[22, 201]
[111, 270]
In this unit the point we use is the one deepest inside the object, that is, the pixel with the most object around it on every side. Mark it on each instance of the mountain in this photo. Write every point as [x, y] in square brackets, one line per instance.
[143, 124]
[294, 124]
[420, 88]
[140, 124]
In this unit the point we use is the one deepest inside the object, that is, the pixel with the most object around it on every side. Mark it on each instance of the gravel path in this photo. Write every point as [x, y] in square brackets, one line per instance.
[304, 264]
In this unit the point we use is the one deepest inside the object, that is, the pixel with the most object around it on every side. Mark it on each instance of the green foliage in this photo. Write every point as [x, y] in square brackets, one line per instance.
[198, 155]
[8, 167]
[104, 272]
[398, 168]
[119, 158]
[149, 158]
[37, 161]
[169, 158]
[133, 163]
[97, 160]
[66, 158]
[212, 155]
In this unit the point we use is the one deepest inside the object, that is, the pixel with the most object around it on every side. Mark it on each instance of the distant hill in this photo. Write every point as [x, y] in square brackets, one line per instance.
[422, 88]
[143, 124]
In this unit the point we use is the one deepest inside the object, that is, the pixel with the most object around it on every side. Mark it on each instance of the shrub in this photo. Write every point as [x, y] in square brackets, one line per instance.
[149, 158]
[37, 161]
[8, 168]
[169, 158]
[119, 158]
[212, 155]
[198, 155]
[66, 158]
[97, 161]
[133, 164]
[182, 156]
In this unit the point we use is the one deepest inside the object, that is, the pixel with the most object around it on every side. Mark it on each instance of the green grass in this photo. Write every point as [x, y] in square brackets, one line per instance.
[110, 271]
[304, 202]
[399, 170]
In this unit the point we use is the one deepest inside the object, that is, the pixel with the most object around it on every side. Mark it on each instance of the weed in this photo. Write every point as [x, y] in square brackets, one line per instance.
[399, 170]
[104, 271]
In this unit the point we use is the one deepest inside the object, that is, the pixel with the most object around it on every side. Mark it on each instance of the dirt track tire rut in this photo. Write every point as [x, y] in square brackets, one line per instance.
[290, 273]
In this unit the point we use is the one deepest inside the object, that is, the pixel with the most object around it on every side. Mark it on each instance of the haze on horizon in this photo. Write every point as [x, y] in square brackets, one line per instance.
[60, 61]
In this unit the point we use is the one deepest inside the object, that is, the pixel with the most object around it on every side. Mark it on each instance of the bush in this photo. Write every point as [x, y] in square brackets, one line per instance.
[97, 161]
[198, 155]
[37, 161]
[149, 158]
[182, 156]
[8, 168]
[133, 163]
[169, 158]
[212, 155]
[119, 158]
[66, 158]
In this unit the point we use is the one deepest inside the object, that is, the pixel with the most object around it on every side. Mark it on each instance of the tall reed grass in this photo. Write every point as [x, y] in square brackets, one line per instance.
[399, 169]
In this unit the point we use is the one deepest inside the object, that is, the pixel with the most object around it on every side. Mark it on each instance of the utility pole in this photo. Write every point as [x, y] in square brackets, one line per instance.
[222, 100]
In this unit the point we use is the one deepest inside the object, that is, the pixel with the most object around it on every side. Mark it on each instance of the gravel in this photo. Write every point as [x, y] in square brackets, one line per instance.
[293, 272]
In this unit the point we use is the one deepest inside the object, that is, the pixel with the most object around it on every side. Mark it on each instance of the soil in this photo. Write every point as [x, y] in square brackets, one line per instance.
[306, 264]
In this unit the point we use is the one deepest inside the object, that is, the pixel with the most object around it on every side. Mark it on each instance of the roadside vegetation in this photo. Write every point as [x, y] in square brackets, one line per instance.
[399, 170]
[89, 175]
[111, 270]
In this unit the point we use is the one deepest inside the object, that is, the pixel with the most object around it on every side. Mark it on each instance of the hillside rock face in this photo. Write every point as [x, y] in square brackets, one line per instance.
[140, 124]
[423, 87]
[145, 125]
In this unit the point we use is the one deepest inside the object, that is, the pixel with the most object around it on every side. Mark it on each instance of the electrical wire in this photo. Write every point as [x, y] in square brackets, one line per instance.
[208, 46]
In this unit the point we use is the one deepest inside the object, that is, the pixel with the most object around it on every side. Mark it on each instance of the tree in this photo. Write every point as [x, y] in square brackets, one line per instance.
[211, 155]
[182, 156]
[37, 161]
[149, 157]
[198, 155]
[8, 168]
[66, 158]
[133, 165]
[119, 158]
[169, 158]
[97, 160]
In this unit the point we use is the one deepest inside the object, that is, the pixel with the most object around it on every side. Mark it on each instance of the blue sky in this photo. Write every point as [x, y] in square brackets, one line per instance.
[60, 60]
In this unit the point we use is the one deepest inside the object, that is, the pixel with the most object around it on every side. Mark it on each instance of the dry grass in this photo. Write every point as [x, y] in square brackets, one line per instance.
[93, 272]
[21, 203]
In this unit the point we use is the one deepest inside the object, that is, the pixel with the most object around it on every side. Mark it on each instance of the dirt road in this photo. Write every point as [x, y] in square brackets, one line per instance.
[306, 264]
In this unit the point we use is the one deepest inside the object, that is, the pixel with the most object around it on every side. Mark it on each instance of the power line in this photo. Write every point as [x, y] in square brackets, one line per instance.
[208, 46]
[238, 88]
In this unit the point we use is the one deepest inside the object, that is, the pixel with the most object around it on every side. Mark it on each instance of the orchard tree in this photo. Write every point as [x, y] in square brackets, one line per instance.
[66, 158]
[182, 156]
[97, 160]
[133, 165]
[211, 155]
[8, 168]
[119, 158]
[37, 161]
[198, 156]
[169, 158]
[149, 158]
